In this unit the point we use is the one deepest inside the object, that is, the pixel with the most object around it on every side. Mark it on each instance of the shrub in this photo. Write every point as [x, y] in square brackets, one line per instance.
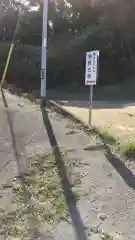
[129, 150]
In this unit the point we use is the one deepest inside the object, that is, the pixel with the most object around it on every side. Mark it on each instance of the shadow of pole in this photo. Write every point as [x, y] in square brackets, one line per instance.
[121, 168]
[11, 128]
[115, 161]
[67, 190]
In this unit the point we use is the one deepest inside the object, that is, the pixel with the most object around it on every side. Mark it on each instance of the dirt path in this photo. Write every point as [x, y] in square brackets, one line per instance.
[106, 187]
[116, 118]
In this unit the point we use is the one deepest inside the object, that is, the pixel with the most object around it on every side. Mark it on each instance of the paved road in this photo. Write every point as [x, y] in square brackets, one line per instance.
[22, 134]
[107, 188]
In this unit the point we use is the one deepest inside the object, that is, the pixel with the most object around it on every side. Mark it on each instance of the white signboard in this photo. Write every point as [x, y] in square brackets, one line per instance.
[91, 67]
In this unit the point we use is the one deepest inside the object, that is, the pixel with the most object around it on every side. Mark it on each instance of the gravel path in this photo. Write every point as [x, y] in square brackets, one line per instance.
[107, 189]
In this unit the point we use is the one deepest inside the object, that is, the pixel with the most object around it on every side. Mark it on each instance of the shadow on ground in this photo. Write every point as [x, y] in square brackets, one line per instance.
[121, 168]
[11, 128]
[67, 188]
[103, 96]
[116, 162]
[96, 104]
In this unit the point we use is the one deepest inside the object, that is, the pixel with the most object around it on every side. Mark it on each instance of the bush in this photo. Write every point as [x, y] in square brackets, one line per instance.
[66, 64]
[129, 150]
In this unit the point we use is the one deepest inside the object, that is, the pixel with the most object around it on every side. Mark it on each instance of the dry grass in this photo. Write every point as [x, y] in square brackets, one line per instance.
[117, 122]
[39, 203]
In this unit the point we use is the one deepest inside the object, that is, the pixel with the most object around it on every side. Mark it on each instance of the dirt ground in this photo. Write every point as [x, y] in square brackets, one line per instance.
[116, 118]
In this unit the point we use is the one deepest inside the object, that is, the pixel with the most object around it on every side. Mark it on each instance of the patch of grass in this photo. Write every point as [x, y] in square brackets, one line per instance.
[39, 199]
[107, 138]
[104, 136]
[106, 236]
[20, 192]
[128, 150]
[71, 163]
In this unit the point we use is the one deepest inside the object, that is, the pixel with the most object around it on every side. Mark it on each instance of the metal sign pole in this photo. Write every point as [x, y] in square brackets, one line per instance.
[91, 73]
[90, 104]
[44, 50]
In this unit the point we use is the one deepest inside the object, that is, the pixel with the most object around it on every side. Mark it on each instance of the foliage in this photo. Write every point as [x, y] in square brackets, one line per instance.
[109, 139]
[24, 68]
[31, 28]
[129, 150]
[74, 27]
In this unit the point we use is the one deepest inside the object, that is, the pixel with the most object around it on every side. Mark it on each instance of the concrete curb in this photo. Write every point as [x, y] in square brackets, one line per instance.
[109, 148]
[64, 112]
[84, 126]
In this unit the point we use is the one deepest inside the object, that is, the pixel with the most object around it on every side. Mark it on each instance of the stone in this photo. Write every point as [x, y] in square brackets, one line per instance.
[21, 104]
[106, 236]
[95, 229]
[102, 216]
